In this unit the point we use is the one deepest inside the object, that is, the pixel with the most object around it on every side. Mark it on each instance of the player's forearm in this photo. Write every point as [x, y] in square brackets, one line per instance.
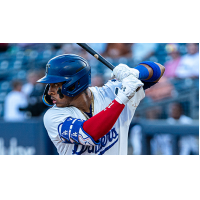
[100, 124]
[150, 71]
[89, 132]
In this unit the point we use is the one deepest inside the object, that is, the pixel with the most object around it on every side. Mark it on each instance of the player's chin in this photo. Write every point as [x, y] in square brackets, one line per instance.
[61, 105]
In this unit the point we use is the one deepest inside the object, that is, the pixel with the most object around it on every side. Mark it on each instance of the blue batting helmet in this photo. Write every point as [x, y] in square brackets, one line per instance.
[71, 69]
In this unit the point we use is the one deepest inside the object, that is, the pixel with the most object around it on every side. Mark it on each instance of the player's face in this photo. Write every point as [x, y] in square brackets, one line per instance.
[65, 101]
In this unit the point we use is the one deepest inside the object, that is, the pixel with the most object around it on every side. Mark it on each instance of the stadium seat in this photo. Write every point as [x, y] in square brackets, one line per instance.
[4, 65]
[4, 85]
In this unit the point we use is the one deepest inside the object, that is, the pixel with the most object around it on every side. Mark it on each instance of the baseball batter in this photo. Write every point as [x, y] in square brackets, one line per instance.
[87, 120]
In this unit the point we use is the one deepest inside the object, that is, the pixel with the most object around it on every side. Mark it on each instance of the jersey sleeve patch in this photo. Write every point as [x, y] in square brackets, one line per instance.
[71, 131]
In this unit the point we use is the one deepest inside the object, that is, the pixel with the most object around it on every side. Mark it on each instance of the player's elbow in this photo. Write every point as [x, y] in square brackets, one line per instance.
[153, 71]
[162, 69]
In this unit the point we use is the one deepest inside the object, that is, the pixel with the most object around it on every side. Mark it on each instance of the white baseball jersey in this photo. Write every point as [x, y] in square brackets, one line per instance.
[114, 142]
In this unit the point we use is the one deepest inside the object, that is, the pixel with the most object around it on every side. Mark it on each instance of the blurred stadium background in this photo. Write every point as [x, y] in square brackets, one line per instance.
[165, 122]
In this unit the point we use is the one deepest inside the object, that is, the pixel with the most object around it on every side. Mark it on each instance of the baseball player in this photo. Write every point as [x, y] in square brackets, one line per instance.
[87, 120]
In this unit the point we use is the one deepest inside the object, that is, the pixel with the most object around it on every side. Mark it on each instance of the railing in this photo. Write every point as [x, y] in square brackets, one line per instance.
[151, 128]
[190, 96]
[25, 138]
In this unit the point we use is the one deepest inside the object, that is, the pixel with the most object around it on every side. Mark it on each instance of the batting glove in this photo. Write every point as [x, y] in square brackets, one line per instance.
[129, 86]
[122, 71]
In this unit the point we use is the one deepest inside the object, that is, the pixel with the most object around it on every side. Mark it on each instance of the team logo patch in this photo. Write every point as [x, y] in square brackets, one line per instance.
[47, 67]
[105, 143]
[65, 132]
[74, 134]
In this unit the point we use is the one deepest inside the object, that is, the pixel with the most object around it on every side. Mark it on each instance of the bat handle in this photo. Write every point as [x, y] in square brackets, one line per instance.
[108, 64]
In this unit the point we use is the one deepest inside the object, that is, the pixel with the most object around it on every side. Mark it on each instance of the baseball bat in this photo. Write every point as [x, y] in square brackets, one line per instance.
[109, 65]
[96, 55]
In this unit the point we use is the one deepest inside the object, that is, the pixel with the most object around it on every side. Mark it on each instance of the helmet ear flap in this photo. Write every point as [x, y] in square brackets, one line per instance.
[76, 86]
[47, 98]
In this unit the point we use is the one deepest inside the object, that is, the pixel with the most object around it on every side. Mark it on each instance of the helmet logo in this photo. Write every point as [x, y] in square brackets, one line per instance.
[47, 67]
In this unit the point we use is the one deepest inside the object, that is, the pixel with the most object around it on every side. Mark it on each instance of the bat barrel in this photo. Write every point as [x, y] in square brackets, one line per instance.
[96, 55]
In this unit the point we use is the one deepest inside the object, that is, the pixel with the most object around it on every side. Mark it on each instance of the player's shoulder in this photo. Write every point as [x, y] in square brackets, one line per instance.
[58, 111]
[55, 114]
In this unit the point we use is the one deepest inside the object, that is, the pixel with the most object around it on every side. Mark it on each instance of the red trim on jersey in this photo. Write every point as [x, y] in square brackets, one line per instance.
[100, 124]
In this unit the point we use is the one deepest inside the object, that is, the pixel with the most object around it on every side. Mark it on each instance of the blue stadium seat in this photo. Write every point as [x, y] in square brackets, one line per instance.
[5, 85]
[2, 96]
[4, 65]
[1, 109]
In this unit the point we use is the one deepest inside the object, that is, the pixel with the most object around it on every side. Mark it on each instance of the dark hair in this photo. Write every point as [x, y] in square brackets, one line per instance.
[16, 83]
[178, 105]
